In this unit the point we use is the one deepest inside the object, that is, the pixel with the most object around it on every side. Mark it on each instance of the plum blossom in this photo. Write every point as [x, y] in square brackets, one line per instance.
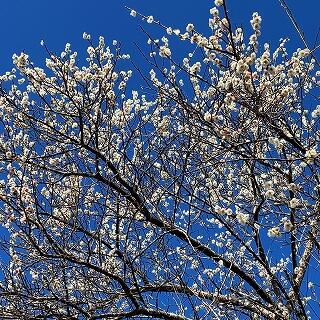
[218, 3]
[150, 19]
[164, 51]
[274, 232]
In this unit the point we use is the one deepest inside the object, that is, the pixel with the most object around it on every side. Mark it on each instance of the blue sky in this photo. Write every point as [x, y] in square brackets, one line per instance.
[25, 23]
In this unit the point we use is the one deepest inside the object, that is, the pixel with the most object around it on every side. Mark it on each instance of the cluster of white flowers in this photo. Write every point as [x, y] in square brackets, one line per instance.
[209, 116]
[287, 225]
[293, 203]
[303, 53]
[217, 140]
[21, 61]
[265, 59]
[164, 51]
[274, 232]
[316, 112]
[311, 155]
[278, 143]
[194, 69]
[256, 22]
[242, 218]
[220, 210]
[269, 194]
[86, 36]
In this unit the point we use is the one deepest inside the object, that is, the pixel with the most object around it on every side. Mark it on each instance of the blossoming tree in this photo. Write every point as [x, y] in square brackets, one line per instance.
[196, 197]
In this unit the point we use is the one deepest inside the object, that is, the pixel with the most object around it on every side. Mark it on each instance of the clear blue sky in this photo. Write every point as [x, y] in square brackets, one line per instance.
[25, 23]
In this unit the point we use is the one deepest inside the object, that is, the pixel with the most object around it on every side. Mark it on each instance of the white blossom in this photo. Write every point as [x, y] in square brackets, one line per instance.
[274, 232]
[150, 19]
[164, 51]
[218, 3]
[133, 13]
